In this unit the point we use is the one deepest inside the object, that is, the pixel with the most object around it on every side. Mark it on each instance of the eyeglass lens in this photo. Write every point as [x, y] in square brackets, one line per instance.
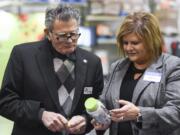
[64, 37]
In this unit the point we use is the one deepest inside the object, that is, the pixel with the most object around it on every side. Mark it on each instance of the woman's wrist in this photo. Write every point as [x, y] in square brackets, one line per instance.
[139, 116]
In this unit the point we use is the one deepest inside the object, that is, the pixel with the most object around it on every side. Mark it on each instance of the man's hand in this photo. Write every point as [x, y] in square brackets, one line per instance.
[77, 125]
[53, 121]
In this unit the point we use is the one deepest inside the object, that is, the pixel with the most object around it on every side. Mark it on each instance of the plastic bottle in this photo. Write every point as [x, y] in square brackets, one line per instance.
[97, 110]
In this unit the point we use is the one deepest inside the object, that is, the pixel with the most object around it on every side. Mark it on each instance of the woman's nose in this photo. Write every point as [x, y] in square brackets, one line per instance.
[129, 46]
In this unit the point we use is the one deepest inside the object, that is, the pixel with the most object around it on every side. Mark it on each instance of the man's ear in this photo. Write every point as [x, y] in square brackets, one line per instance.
[46, 32]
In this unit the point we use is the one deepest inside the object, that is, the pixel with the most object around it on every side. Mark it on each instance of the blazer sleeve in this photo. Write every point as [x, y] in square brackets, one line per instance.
[166, 116]
[98, 86]
[99, 81]
[12, 104]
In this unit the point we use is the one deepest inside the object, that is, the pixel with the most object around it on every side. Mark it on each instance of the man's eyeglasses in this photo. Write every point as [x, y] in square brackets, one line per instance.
[65, 36]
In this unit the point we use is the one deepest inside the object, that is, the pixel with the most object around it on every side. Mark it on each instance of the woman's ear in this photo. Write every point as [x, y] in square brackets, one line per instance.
[46, 31]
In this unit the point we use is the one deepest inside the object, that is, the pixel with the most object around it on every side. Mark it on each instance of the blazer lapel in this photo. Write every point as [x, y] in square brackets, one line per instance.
[140, 87]
[142, 84]
[80, 73]
[119, 74]
[45, 63]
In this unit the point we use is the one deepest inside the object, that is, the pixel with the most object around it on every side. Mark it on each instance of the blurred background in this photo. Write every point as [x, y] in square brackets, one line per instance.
[23, 21]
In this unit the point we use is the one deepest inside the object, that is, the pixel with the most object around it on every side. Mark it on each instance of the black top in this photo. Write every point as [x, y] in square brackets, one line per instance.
[126, 93]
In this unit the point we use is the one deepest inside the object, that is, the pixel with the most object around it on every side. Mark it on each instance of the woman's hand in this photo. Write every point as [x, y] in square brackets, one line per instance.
[127, 112]
[99, 126]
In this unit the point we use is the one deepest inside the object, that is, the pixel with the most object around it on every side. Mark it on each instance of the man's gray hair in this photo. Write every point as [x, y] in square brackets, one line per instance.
[62, 13]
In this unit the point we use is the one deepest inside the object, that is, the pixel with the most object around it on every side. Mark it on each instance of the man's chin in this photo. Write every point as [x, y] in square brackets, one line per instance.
[69, 51]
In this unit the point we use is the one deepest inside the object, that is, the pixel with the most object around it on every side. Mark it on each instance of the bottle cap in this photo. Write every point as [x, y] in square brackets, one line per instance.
[91, 104]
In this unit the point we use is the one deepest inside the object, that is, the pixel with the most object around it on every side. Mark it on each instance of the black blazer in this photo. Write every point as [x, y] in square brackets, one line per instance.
[30, 83]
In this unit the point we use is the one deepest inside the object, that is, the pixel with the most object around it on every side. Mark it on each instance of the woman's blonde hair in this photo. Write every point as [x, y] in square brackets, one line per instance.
[146, 27]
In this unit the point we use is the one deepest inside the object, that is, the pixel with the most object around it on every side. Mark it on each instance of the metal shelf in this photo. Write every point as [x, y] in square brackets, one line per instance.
[103, 18]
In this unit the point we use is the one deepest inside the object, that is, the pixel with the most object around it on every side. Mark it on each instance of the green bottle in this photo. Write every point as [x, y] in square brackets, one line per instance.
[97, 111]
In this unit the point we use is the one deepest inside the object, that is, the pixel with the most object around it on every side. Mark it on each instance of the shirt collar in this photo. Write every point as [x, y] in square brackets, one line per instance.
[71, 56]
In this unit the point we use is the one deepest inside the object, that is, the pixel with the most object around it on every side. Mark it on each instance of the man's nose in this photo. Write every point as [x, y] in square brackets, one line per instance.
[69, 39]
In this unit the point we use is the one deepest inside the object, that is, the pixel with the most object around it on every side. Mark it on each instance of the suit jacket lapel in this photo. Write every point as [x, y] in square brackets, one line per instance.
[140, 87]
[45, 63]
[80, 73]
[142, 84]
[117, 81]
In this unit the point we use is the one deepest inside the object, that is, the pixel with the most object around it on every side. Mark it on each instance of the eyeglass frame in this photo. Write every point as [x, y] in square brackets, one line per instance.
[63, 36]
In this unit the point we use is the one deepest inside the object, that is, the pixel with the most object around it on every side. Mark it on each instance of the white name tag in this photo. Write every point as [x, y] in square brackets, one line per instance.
[88, 90]
[152, 76]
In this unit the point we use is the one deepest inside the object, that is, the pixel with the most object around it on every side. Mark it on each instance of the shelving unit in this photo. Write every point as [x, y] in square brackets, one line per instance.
[103, 18]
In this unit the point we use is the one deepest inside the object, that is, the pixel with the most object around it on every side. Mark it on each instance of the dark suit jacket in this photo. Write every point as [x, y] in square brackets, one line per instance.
[30, 83]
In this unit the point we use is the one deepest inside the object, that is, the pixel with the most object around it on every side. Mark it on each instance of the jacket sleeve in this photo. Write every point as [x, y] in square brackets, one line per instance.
[165, 117]
[99, 81]
[98, 86]
[12, 104]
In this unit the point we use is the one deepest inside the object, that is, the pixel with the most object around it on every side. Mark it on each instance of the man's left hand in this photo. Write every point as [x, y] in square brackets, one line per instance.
[77, 125]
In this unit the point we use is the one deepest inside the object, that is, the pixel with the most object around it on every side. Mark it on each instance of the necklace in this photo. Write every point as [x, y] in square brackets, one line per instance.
[135, 70]
[137, 73]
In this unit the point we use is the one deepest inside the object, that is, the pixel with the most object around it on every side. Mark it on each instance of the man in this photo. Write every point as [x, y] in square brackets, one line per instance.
[47, 82]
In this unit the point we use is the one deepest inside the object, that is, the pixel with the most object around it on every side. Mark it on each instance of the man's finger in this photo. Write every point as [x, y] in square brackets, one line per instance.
[63, 120]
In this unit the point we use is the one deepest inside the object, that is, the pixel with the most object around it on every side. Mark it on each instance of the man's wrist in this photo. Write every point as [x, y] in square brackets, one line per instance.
[40, 113]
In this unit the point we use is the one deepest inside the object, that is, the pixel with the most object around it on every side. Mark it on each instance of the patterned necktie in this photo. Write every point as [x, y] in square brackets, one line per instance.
[65, 74]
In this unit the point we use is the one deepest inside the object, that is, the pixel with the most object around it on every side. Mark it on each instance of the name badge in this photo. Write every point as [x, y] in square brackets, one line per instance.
[88, 90]
[152, 76]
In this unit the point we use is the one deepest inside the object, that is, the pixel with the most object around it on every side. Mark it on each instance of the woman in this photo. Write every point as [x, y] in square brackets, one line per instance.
[143, 88]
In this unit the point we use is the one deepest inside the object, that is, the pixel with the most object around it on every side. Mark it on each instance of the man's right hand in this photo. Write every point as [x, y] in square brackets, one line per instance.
[53, 121]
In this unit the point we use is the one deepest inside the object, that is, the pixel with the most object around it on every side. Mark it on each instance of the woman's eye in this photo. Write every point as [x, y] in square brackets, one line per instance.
[131, 42]
[125, 43]
[135, 43]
